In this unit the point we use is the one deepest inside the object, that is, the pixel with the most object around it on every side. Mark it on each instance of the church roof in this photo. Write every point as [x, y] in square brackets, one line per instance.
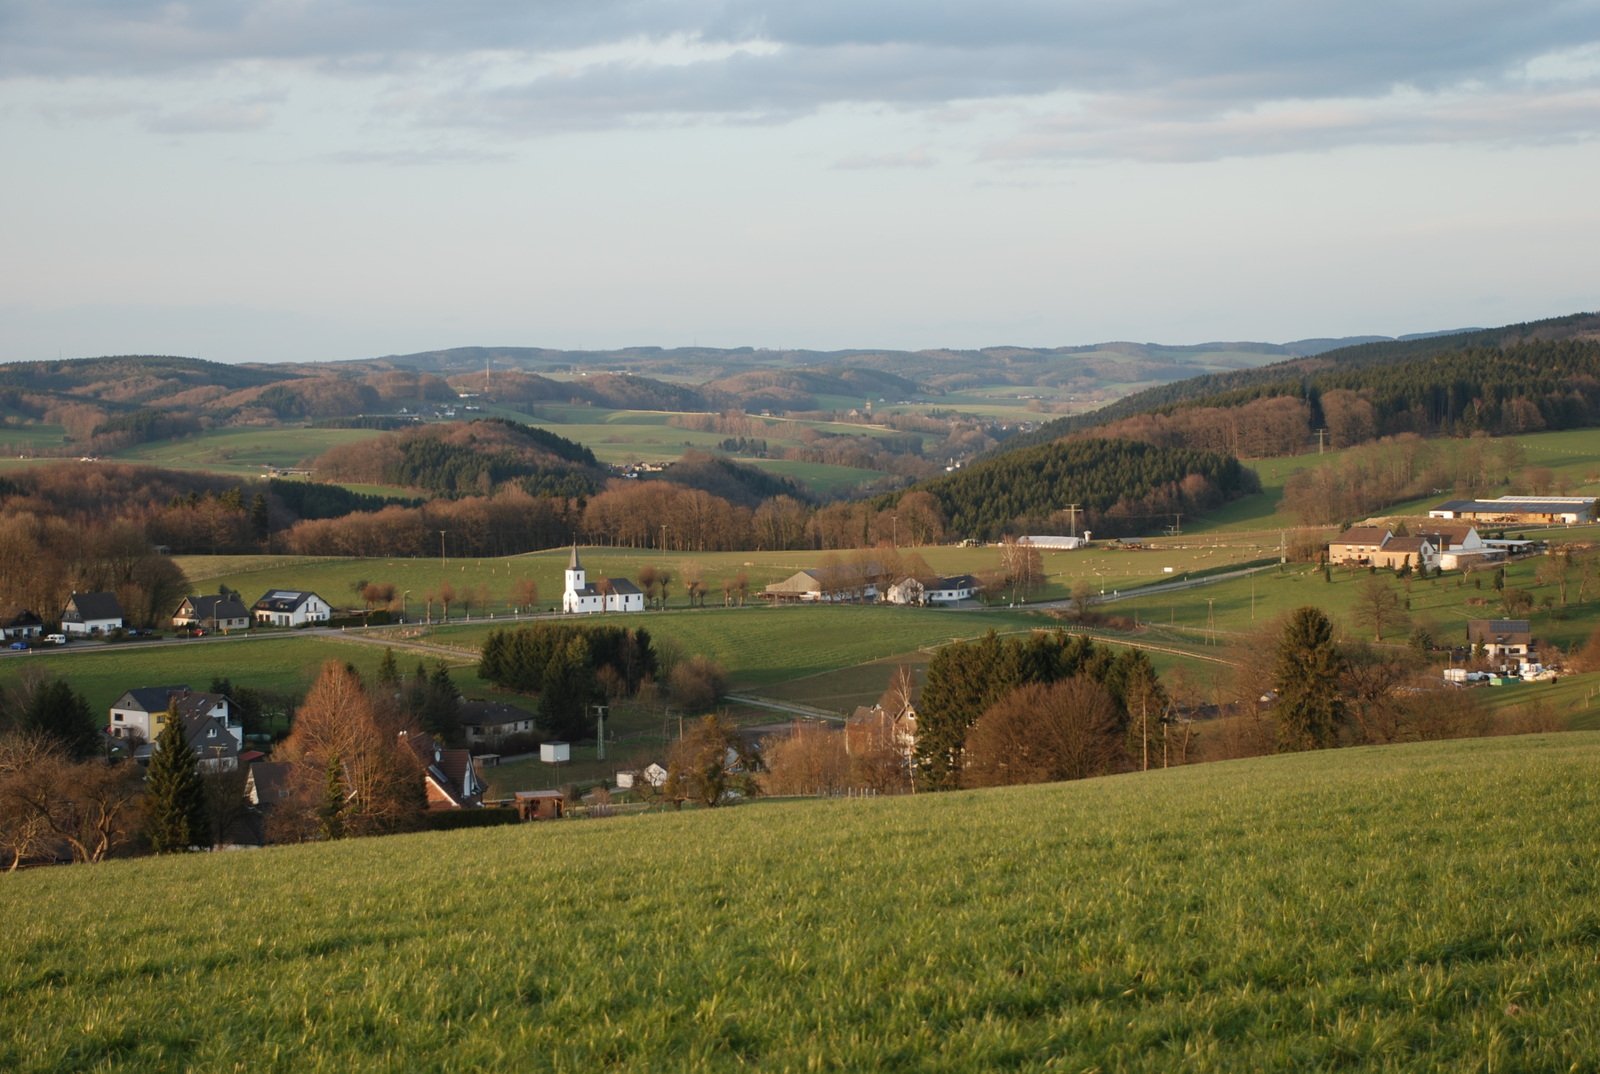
[573, 564]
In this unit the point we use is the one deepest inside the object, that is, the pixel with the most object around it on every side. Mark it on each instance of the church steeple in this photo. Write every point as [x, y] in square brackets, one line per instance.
[575, 581]
[573, 564]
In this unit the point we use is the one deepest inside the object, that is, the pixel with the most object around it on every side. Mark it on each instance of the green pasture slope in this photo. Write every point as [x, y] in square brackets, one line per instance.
[1412, 908]
[1572, 457]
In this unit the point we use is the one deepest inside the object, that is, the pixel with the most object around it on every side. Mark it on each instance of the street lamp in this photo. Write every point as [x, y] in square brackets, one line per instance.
[403, 597]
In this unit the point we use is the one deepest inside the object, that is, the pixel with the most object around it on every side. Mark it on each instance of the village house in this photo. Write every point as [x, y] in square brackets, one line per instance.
[290, 608]
[140, 713]
[88, 615]
[1398, 553]
[1509, 641]
[212, 612]
[1357, 545]
[17, 622]
[450, 777]
[488, 723]
[938, 591]
[608, 595]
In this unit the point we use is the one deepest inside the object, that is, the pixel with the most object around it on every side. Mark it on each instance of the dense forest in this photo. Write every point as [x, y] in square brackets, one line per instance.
[467, 457]
[1504, 380]
[1121, 487]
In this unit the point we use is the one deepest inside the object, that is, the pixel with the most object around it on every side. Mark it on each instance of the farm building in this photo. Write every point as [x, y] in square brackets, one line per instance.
[1056, 541]
[818, 586]
[1521, 510]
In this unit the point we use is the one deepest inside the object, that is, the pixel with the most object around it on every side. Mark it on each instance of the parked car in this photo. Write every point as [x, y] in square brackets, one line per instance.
[19, 645]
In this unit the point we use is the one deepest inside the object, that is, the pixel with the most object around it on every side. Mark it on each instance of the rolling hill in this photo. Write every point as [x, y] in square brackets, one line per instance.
[1418, 908]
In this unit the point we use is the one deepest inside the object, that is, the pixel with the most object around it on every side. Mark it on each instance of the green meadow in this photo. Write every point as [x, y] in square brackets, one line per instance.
[1412, 908]
[244, 452]
[1572, 457]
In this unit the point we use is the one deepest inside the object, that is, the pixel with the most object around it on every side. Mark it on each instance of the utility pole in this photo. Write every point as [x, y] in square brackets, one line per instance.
[600, 732]
[1072, 512]
[1322, 435]
[1211, 619]
[663, 536]
[441, 548]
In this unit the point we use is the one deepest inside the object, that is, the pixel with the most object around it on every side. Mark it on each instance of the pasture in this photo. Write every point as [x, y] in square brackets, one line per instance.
[1410, 908]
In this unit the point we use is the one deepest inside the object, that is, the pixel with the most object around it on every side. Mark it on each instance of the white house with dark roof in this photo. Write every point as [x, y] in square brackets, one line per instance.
[212, 612]
[608, 595]
[90, 614]
[290, 607]
[18, 622]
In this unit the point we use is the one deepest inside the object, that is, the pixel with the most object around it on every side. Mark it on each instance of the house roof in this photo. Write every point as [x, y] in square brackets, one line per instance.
[207, 735]
[492, 713]
[959, 581]
[15, 615]
[213, 606]
[270, 780]
[1406, 544]
[1362, 535]
[1489, 629]
[148, 698]
[93, 606]
[1521, 506]
[158, 698]
[806, 581]
[283, 600]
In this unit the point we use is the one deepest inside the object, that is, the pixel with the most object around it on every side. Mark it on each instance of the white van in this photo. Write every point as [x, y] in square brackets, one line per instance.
[55, 639]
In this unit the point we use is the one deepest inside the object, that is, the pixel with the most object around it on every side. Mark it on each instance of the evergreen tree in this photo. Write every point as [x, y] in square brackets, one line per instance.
[566, 691]
[330, 814]
[441, 705]
[389, 671]
[55, 709]
[1310, 706]
[175, 795]
[260, 519]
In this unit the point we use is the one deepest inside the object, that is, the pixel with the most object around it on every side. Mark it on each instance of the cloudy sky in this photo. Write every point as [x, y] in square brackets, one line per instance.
[315, 179]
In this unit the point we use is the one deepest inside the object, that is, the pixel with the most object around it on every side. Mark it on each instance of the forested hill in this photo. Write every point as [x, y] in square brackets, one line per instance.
[1121, 487]
[468, 457]
[1402, 380]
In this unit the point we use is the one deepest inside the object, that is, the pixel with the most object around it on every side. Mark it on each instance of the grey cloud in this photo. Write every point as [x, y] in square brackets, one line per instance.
[1147, 64]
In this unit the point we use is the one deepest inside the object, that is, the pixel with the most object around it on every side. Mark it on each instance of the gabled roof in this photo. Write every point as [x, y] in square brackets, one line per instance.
[267, 782]
[283, 600]
[622, 587]
[207, 735]
[15, 615]
[213, 606]
[148, 698]
[492, 713]
[1406, 544]
[1363, 535]
[92, 606]
[1489, 629]
[959, 581]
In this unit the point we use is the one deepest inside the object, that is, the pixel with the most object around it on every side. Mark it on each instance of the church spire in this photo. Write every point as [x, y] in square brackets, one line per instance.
[573, 564]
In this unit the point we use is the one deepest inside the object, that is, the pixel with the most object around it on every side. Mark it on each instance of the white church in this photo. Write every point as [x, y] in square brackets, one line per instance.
[611, 595]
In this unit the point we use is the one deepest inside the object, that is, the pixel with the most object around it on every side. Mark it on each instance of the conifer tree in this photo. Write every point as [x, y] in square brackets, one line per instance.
[1310, 706]
[331, 813]
[174, 792]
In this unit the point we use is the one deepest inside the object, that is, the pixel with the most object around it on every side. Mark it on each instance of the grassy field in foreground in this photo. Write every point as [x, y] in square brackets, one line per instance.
[1412, 908]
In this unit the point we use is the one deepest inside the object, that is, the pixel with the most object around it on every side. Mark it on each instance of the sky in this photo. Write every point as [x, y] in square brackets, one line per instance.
[273, 180]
